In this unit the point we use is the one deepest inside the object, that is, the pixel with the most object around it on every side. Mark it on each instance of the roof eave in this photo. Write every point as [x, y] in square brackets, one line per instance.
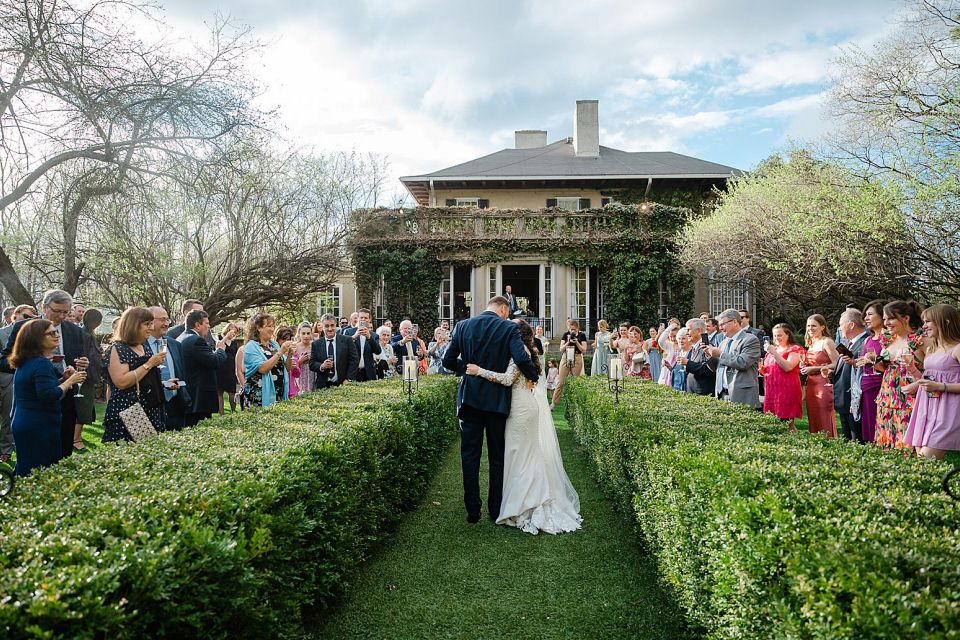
[602, 176]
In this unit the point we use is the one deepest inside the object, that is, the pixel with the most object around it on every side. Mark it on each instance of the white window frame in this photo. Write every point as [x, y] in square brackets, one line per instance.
[576, 294]
[445, 311]
[468, 202]
[570, 203]
[335, 297]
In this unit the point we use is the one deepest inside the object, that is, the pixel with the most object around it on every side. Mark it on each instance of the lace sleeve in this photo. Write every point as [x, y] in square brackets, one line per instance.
[507, 378]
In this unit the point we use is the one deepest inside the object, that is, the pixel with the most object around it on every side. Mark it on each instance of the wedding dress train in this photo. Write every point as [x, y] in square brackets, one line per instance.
[537, 494]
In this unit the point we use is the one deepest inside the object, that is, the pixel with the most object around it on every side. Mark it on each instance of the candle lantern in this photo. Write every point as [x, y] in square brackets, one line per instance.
[615, 377]
[411, 377]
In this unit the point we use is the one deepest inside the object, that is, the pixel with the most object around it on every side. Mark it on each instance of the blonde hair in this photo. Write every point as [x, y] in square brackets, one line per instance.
[947, 320]
[820, 320]
[603, 326]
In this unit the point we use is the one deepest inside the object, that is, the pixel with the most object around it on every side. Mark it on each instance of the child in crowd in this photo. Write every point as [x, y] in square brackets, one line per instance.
[552, 374]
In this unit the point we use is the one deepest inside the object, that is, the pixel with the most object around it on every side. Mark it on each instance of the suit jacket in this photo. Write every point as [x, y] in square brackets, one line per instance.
[512, 301]
[6, 379]
[174, 333]
[72, 344]
[741, 371]
[757, 332]
[370, 348]
[345, 361]
[400, 350]
[843, 375]
[200, 364]
[701, 371]
[489, 342]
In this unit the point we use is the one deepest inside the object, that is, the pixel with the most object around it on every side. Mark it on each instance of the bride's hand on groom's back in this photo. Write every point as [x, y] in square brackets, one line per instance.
[472, 370]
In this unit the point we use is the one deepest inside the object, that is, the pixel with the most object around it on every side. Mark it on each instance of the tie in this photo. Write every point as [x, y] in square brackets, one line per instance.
[362, 344]
[721, 369]
[62, 365]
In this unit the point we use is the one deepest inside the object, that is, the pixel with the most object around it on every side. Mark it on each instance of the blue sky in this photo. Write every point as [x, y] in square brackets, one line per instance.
[433, 83]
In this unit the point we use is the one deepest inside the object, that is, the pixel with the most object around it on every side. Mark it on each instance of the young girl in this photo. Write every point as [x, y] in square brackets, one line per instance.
[552, 373]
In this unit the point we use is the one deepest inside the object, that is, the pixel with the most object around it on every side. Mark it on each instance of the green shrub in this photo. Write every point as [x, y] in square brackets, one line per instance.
[767, 534]
[225, 530]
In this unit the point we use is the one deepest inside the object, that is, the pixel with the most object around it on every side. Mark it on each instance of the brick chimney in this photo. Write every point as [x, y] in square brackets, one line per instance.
[586, 129]
[530, 139]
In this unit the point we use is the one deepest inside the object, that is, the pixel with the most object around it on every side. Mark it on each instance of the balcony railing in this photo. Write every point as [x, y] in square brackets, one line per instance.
[464, 223]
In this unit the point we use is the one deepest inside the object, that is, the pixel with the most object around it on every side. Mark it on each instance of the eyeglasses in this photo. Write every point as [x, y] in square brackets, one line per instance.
[58, 312]
[51, 333]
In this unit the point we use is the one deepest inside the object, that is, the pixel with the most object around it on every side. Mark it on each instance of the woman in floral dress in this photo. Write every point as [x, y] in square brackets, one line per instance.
[901, 362]
[636, 366]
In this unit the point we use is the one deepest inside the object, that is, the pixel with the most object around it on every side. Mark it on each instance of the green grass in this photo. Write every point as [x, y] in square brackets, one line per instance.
[439, 577]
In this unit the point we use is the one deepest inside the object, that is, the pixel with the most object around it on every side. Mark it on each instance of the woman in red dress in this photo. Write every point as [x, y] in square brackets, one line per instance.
[783, 395]
[821, 354]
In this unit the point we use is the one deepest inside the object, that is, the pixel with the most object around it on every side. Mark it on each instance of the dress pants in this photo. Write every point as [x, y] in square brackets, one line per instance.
[194, 418]
[362, 374]
[473, 423]
[6, 406]
[850, 428]
[565, 371]
[68, 423]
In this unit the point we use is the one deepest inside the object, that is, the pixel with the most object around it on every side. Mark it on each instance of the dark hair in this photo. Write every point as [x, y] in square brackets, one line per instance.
[8, 311]
[744, 312]
[128, 331]
[366, 311]
[29, 342]
[195, 317]
[255, 323]
[285, 330]
[876, 305]
[189, 302]
[908, 309]
[92, 318]
[787, 330]
[526, 336]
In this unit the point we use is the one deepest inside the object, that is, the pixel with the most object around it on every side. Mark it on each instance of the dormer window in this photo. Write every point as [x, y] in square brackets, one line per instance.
[479, 203]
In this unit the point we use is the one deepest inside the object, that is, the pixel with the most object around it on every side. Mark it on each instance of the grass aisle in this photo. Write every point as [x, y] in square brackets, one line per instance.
[439, 577]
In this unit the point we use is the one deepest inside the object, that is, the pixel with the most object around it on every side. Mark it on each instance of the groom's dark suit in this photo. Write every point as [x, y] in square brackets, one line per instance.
[489, 342]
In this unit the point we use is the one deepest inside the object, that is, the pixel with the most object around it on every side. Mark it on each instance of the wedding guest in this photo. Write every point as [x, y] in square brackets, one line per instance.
[667, 340]
[783, 395]
[871, 377]
[351, 326]
[701, 368]
[425, 360]
[714, 335]
[266, 363]
[552, 374]
[188, 305]
[302, 379]
[745, 323]
[540, 343]
[601, 350]
[227, 373]
[902, 352]
[619, 342]
[344, 324]
[55, 307]
[7, 316]
[635, 355]
[133, 375]
[738, 356]
[853, 336]
[318, 328]
[436, 350]
[367, 346]
[38, 390]
[200, 363]
[85, 402]
[577, 339]
[821, 354]
[934, 427]
[386, 361]
[334, 357]
[175, 395]
[679, 370]
[23, 312]
[654, 354]
[406, 344]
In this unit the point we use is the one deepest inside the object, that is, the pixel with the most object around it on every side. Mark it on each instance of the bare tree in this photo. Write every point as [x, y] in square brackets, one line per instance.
[83, 93]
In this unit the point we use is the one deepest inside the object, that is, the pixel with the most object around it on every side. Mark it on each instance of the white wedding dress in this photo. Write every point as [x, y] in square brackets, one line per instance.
[537, 495]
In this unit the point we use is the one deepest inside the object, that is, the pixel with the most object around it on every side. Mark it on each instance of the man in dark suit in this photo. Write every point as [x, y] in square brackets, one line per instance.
[701, 368]
[367, 346]
[406, 345]
[854, 336]
[188, 305]
[488, 340]
[333, 357]
[176, 398]
[745, 324]
[512, 303]
[56, 305]
[200, 364]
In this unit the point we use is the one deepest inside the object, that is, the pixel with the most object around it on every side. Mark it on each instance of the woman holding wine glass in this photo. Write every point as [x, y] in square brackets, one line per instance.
[227, 373]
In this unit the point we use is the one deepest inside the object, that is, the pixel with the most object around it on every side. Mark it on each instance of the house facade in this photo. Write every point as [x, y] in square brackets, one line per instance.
[520, 207]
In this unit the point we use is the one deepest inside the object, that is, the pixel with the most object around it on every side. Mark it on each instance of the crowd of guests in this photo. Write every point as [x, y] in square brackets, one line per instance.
[52, 362]
[889, 373]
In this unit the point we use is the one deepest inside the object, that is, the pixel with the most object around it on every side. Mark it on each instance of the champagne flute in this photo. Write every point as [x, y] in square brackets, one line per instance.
[162, 348]
[77, 394]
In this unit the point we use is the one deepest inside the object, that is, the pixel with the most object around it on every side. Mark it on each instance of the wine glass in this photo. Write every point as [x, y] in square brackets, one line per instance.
[162, 348]
[80, 367]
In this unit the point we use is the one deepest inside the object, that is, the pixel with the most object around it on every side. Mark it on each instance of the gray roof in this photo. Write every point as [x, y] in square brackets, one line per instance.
[557, 160]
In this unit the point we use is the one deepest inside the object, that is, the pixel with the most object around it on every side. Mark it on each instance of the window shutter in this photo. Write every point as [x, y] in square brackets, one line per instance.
[483, 203]
[551, 202]
[584, 203]
[604, 202]
[451, 202]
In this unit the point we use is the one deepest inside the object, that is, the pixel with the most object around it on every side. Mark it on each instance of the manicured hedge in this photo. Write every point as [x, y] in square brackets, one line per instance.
[225, 530]
[767, 534]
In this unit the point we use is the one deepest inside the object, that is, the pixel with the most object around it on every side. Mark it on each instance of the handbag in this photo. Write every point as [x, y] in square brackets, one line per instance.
[135, 420]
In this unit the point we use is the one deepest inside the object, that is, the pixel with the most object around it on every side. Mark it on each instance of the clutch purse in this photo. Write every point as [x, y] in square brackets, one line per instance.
[135, 420]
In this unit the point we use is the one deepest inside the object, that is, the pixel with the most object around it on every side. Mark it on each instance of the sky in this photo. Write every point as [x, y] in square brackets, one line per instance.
[430, 83]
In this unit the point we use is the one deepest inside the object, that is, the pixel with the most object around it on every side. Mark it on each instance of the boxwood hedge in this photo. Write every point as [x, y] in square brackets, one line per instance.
[767, 534]
[225, 530]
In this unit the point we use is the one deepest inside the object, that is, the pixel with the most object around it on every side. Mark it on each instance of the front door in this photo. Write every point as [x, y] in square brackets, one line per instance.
[524, 279]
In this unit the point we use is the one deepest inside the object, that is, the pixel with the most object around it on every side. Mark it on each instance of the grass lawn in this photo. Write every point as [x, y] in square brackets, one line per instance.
[439, 577]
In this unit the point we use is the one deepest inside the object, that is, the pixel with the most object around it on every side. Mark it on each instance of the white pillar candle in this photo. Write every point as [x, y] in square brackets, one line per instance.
[616, 369]
[410, 369]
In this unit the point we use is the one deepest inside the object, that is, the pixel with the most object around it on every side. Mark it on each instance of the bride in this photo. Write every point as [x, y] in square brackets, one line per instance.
[537, 495]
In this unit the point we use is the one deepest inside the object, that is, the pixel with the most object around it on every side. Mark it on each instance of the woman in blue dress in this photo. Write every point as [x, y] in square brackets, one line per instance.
[37, 391]
[601, 351]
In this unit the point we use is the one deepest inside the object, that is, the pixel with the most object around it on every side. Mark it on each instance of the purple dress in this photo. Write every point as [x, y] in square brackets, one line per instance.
[870, 385]
[935, 421]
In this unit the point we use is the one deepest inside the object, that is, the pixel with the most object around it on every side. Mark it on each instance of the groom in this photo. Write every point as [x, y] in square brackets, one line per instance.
[489, 341]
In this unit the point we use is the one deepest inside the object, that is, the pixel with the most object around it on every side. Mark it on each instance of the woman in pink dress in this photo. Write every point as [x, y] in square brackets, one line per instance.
[821, 354]
[783, 395]
[872, 378]
[301, 377]
[636, 366]
[668, 342]
[935, 422]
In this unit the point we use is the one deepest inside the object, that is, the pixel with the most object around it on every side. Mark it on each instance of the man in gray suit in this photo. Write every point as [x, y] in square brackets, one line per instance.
[737, 359]
[23, 312]
[854, 336]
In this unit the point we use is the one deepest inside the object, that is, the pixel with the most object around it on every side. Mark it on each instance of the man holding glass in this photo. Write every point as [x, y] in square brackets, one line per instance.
[176, 399]
[69, 353]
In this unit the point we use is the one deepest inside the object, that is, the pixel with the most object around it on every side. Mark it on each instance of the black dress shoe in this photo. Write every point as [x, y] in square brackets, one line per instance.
[473, 518]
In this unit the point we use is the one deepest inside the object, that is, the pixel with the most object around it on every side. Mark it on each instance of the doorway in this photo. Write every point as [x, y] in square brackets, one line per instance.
[524, 279]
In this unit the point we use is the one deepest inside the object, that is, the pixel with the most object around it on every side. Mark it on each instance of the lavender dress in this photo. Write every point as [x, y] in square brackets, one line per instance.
[935, 421]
